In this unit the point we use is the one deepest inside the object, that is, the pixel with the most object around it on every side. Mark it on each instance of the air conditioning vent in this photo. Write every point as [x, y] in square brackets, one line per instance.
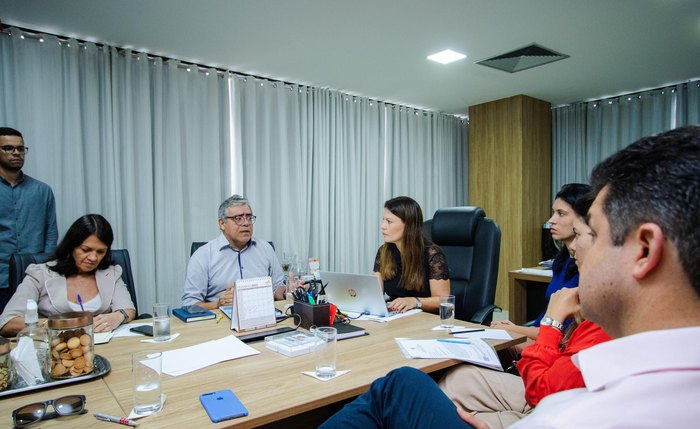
[522, 59]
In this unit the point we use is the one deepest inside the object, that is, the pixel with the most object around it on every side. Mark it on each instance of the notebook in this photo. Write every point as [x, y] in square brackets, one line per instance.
[348, 331]
[359, 293]
[192, 313]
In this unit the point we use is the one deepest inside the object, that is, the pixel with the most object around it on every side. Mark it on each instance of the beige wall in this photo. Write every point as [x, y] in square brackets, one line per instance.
[510, 145]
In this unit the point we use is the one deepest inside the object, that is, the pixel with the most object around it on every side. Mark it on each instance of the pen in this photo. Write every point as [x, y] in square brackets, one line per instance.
[219, 317]
[80, 301]
[468, 331]
[454, 341]
[106, 418]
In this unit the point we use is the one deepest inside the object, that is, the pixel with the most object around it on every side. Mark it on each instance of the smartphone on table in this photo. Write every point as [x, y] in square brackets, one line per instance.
[143, 329]
[222, 405]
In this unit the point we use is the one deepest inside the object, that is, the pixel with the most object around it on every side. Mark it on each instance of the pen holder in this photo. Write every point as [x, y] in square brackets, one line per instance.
[318, 314]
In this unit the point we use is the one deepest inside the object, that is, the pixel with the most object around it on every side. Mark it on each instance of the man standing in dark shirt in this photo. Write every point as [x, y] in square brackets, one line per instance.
[27, 206]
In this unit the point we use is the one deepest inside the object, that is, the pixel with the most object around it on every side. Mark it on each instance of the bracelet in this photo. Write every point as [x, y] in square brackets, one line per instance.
[126, 316]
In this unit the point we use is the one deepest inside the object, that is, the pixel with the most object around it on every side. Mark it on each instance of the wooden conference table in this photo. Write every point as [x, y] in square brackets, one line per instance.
[270, 385]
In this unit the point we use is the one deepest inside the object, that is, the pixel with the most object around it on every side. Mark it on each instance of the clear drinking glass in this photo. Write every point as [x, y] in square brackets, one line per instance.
[161, 322]
[146, 369]
[325, 351]
[447, 311]
[287, 262]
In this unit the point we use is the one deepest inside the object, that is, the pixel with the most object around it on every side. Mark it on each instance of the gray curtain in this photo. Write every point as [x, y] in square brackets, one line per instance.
[586, 133]
[142, 141]
[317, 165]
[155, 146]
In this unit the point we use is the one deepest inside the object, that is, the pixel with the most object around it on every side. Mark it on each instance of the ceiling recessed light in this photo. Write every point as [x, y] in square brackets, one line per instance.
[447, 56]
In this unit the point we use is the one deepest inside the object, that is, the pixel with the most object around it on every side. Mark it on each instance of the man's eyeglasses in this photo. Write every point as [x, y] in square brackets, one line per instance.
[33, 413]
[9, 149]
[242, 219]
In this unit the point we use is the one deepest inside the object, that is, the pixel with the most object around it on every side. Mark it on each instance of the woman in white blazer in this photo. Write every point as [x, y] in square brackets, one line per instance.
[78, 276]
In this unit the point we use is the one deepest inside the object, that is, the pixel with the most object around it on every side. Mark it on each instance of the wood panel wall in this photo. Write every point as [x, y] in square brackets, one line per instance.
[510, 147]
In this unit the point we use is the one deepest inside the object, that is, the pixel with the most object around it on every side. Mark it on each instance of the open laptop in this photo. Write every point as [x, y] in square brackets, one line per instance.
[358, 293]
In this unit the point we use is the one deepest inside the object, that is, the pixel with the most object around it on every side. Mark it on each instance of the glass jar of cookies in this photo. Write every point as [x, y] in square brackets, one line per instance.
[6, 370]
[71, 344]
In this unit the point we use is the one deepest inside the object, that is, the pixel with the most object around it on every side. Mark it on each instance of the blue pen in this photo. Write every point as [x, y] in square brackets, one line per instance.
[454, 341]
[80, 301]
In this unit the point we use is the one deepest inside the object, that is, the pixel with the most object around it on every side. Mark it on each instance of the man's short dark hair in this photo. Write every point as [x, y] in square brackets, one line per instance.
[7, 131]
[656, 179]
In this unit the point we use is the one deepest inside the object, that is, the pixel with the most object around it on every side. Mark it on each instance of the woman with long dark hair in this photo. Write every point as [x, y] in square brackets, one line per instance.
[79, 275]
[414, 272]
[565, 272]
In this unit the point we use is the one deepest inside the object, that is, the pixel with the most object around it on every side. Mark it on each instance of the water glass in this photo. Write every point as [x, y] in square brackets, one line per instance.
[146, 369]
[161, 322]
[287, 262]
[447, 311]
[325, 351]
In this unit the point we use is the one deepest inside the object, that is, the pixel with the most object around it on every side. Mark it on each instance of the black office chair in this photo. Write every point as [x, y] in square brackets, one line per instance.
[121, 257]
[20, 261]
[471, 242]
[197, 244]
[428, 229]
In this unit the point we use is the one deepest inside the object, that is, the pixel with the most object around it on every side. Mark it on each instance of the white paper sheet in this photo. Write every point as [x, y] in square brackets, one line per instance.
[486, 334]
[337, 374]
[188, 359]
[172, 338]
[353, 315]
[440, 328]
[103, 337]
[536, 271]
[474, 351]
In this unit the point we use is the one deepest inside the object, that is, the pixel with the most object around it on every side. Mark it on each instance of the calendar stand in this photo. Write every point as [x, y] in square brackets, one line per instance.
[253, 304]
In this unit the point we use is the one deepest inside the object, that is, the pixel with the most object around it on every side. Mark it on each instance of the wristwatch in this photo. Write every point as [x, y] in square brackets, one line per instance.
[548, 321]
[126, 316]
[419, 304]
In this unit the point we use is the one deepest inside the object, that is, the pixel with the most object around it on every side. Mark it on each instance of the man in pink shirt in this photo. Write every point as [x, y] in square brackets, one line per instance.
[640, 281]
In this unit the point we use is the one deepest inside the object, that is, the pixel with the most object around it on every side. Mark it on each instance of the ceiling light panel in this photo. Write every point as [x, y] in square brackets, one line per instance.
[447, 56]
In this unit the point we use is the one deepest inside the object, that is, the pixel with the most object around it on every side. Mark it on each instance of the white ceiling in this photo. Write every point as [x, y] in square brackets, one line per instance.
[377, 48]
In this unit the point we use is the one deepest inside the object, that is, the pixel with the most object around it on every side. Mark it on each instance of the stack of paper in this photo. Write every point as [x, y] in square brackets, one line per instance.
[477, 351]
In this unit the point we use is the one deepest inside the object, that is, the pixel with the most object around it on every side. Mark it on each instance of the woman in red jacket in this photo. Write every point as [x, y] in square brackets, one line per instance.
[500, 399]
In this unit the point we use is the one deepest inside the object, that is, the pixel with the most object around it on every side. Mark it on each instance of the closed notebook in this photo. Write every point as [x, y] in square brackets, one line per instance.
[348, 331]
[193, 313]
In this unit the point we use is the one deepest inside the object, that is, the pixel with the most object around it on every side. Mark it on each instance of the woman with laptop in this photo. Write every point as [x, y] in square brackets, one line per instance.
[414, 271]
